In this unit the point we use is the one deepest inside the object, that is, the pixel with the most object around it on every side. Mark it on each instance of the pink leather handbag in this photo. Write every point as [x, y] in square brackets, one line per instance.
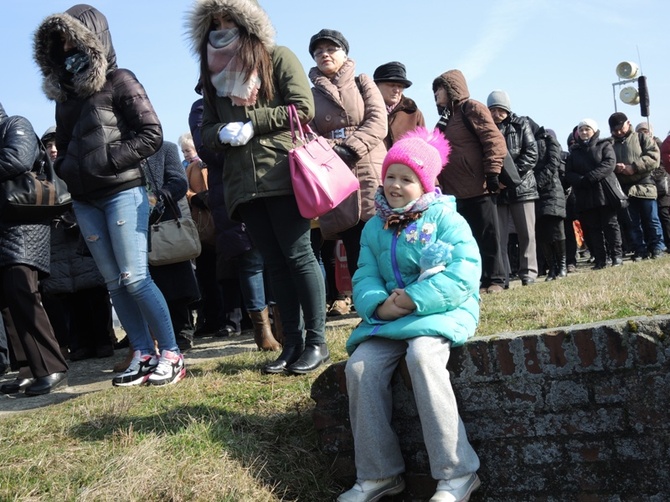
[321, 179]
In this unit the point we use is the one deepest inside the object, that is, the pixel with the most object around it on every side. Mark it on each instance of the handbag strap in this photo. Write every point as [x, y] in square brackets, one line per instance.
[297, 130]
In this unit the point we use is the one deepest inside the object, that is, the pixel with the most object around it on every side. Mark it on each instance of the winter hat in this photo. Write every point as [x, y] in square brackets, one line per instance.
[49, 135]
[588, 123]
[394, 72]
[616, 120]
[645, 125]
[424, 152]
[334, 36]
[499, 99]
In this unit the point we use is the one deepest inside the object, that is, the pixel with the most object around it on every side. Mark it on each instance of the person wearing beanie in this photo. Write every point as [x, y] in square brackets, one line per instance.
[415, 245]
[350, 113]
[403, 113]
[249, 123]
[517, 204]
[589, 165]
[477, 154]
[637, 156]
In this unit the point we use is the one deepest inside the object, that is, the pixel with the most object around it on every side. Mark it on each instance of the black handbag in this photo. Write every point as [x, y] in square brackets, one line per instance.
[614, 194]
[35, 196]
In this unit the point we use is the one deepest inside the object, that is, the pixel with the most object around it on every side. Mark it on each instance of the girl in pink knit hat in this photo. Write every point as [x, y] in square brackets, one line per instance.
[417, 292]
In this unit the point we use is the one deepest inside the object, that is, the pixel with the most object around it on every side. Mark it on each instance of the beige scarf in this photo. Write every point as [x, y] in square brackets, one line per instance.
[227, 74]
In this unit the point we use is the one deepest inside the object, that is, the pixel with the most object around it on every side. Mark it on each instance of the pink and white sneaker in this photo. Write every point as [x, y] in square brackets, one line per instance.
[170, 369]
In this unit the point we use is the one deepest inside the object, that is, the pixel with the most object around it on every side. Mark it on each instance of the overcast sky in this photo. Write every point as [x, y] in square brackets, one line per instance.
[556, 59]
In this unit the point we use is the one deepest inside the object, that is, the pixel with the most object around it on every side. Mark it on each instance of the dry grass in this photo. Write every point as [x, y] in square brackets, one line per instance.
[228, 433]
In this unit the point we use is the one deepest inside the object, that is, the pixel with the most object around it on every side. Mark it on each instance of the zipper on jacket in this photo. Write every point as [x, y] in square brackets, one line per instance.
[394, 260]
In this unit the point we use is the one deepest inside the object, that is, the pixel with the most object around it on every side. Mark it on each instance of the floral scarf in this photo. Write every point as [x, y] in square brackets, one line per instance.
[227, 74]
[403, 216]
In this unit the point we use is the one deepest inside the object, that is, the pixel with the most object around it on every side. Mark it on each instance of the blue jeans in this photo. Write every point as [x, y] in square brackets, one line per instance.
[250, 268]
[115, 229]
[645, 231]
[282, 236]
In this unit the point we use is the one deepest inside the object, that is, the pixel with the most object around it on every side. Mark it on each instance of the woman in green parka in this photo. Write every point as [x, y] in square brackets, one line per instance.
[248, 83]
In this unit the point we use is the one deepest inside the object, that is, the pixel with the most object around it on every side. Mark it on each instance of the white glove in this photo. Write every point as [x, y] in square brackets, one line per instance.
[244, 135]
[230, 131]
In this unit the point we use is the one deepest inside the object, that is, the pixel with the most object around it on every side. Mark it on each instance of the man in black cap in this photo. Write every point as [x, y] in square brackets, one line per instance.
[637, 155]
[403, 113]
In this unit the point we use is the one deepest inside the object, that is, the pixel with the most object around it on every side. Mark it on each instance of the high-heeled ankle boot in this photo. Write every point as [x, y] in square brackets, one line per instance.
[263, 331]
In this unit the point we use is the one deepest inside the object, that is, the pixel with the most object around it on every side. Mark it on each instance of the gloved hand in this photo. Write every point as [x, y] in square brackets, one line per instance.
[244, 135]
[492, 183]
[584, 182]
[346, 154]
[230, 131]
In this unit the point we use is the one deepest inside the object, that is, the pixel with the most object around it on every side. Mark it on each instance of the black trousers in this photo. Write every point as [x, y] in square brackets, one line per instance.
[30, 334]
[482, 216]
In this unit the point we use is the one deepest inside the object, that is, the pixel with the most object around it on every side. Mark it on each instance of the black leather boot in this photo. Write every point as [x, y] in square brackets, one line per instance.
[560, 255]
[548, 253]
[313, 357]
[289, 355]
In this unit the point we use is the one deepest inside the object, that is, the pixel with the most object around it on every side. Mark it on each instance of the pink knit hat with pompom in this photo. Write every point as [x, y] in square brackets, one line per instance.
[424, 152]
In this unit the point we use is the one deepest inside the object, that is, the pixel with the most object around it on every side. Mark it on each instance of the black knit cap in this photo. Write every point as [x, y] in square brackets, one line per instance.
[392, 72]
[333, 35]
[616, 120]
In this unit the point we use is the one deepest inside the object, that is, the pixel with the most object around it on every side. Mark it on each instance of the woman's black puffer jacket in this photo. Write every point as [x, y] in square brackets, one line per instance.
[105, 123]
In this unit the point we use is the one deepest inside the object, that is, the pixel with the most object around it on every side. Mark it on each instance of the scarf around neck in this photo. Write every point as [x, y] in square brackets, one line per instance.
[226, 72]
[402, 216]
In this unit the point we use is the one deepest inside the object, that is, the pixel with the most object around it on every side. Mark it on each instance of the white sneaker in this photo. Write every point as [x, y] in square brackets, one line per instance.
[138, 372]
[170, 369]
[456, 489]
[373, 490]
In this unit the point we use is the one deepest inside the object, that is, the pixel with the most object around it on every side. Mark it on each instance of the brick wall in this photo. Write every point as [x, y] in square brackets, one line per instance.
[580, 413]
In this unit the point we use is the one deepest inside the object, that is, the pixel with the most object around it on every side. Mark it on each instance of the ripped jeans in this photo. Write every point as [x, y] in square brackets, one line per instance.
[115, 230]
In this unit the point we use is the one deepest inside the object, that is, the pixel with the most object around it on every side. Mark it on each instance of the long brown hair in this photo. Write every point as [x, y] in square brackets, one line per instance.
[253, 54]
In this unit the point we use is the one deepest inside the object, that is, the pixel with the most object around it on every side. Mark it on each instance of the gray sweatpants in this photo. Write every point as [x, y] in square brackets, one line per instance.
[369, 371]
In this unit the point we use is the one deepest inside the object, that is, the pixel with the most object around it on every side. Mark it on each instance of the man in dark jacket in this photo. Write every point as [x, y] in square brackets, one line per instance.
[517, 204]
[24, 259]
[404, 114]
[471, 175]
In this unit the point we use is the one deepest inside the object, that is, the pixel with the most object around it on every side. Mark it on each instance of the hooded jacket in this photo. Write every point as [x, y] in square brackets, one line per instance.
[21, 244]
[105, 123]
[472, 156]
[260, 168]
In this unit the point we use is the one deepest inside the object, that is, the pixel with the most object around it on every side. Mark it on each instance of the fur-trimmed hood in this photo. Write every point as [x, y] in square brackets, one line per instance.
[246, 13]
[3, 113]
[88, 29]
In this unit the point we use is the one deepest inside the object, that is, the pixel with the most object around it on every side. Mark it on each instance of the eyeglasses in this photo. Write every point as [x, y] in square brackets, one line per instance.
[326, 50]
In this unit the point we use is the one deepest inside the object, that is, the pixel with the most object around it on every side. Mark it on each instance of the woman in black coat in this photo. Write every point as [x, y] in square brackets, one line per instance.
[24, 259]
[550, 208]
[591, 161]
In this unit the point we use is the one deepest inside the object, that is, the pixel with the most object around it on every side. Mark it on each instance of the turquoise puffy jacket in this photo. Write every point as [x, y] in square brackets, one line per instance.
[447, 302]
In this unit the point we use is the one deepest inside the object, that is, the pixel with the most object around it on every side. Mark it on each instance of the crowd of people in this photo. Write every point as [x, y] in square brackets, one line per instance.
[437, 222]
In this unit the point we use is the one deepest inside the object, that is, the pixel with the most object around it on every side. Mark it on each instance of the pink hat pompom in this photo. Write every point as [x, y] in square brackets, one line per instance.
[424, 152]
